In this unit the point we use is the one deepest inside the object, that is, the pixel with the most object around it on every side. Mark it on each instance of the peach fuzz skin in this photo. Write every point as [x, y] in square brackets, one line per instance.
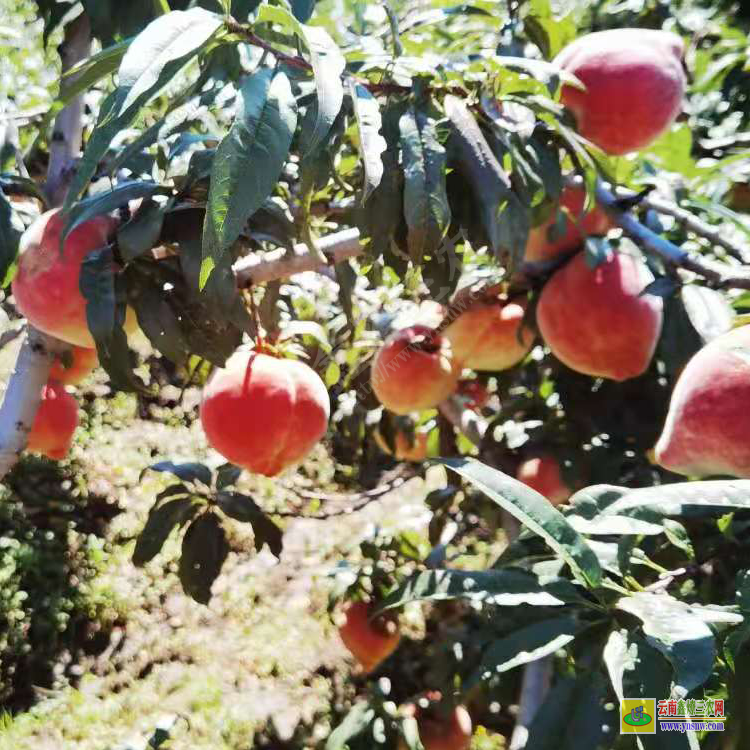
[596, 322]
[46, 286]
[540, 249]
[264, 413]
[635, 84]
[415, 369]
[55, 422]
[707, 431]
[438, 732]
[489, 337]
[542, 473]
[369, 641]
[80, 360]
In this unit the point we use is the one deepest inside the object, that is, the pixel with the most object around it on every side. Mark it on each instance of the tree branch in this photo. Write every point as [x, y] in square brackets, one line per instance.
[281, 263]
[67, 133]
[718, 274]
[22, 396]
[24, 390]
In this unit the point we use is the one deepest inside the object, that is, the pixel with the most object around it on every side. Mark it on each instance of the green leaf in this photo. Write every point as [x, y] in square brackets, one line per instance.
[227, 475]
[356, 721]
[646, 674]
[712, 497]
[573, 716]
[90, 71]
[204, 549]
[671, 627]
[161, 520]
[547, 30]
[371, 142]
[708, 310]
[243, 508]
[107, 201]
[248, 161]
[188, 472]
[505, 219]
[524, 645]
[154, 57]
[382, 215]
[302, 9]
[425, 199]
[505, 588]
[10, 234]
[104, 293]
[534, 511]
[142, 232]
[159, 321]
[327, 63]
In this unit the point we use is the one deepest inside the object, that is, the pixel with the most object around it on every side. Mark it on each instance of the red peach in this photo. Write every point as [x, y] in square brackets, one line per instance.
[264, 413]
[596, 321]
[415, 369]
[635, 84]
[707, 431]
[46, 286]
[80, 362]
[542, 473]
[438, 731]
[406, 447]
[578, 225]
[490, 336]
[55, 422]
[371, 641]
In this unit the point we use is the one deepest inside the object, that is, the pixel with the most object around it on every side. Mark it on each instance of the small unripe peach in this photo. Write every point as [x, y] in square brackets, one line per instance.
[264, 413]
[541, 249]
[490, 336]
[415, 369]
[46, 286]
[707, 431]
[596, 321]
[406, 447]
[55, 422]
[451, 731]
[370, 640]
[635, 84]
[542, 473]
[80, 362]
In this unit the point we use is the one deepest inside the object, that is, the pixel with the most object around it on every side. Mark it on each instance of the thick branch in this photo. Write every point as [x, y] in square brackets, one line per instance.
[24, 389]
[715, 235]
[22, 395]
[67, 133]
[281, 263]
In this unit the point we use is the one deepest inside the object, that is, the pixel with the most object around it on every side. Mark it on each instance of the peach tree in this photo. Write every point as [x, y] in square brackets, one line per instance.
[509, 239]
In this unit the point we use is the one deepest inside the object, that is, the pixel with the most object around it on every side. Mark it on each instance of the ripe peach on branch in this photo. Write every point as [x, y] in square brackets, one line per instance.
[597, 321]
[542, 473]
[371, 640]
[415, 369]
[264, 413]
[541, 248]
[491, 335]
[46, 287]
[55, 422]
[634, 86]
[707, 430]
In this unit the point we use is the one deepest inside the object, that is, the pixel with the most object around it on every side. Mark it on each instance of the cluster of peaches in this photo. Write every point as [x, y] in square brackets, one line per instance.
[594, 320]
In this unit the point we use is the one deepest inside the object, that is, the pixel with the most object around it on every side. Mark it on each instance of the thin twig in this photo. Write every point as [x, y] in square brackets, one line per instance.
[717, 274]
[354, 502]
